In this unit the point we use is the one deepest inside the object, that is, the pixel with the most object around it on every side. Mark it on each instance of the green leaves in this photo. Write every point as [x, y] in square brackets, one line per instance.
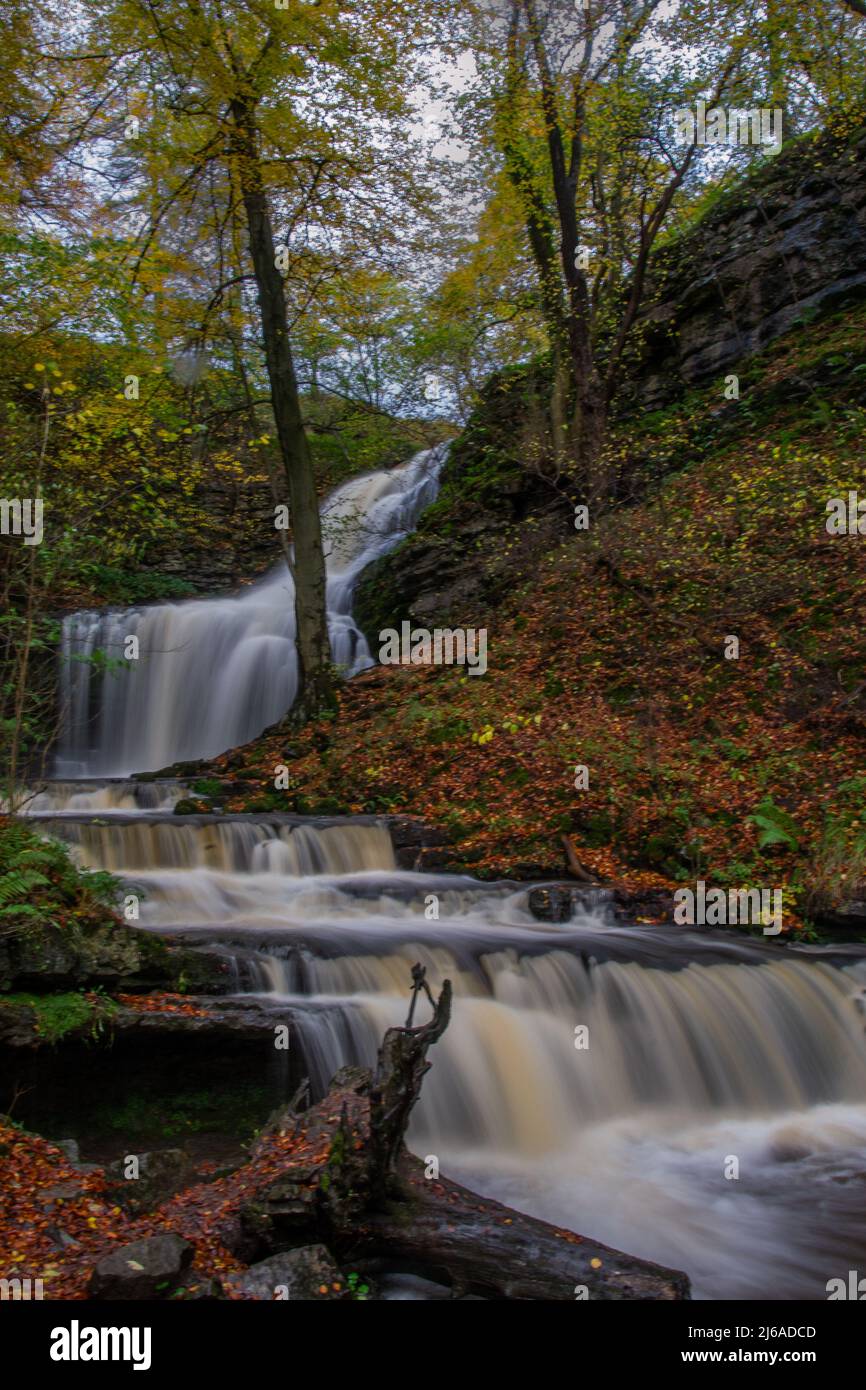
[774, 825]
[17, 885]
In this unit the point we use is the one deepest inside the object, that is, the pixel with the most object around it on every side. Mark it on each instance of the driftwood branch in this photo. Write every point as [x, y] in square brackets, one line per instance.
[574, 864]
[401, 1067]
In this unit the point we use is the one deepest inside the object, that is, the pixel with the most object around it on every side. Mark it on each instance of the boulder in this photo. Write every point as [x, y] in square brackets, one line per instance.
[149, 1268]
[308, 1273]
[160, 1175]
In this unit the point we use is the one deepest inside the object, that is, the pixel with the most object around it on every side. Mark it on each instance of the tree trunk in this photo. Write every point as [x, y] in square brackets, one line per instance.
[589, 431]
[315, 674]
[401, 1067]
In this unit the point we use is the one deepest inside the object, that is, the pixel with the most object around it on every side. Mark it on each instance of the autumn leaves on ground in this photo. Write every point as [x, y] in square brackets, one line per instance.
[44, 1190]
[610, 654]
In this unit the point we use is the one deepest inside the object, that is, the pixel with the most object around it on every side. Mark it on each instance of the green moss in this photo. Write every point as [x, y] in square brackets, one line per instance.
[208, 786]
[58, 1015]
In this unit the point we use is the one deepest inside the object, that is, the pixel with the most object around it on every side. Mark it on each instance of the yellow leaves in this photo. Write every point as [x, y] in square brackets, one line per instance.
[485, 736]
[39, 366]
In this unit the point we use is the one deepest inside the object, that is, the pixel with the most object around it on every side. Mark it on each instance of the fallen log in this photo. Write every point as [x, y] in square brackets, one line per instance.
[369, 1200]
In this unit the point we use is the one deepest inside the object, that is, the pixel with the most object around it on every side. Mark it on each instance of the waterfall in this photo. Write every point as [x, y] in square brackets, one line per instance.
[694, 1048]
[242, 846]
[694, 1097]
[213, 673]
[699, 1048]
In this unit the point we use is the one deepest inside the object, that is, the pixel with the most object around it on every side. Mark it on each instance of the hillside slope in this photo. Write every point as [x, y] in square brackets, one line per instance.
[608, 651]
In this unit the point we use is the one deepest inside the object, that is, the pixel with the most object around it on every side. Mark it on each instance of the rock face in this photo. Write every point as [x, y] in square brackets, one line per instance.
[454, 568]
[239, 542]
[54, 959]
[785, 246]
[111, 955]
[147, 1268]
[789, 244]
[849, 918]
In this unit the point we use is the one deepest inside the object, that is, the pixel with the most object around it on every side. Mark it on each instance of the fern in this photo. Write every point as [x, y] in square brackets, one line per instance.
[23, 910]
[774, 825]
[15, 884]
[39, 882]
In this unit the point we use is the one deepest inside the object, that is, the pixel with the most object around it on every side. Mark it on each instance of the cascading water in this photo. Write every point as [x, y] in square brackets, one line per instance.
[214, 673]
[715, 1122]
[703, 1048]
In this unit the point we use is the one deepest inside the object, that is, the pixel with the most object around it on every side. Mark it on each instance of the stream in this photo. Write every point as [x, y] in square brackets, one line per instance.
[707, 1051]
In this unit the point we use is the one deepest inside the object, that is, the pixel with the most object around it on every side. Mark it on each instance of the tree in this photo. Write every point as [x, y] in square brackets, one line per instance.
[579, 101]
[274, 117]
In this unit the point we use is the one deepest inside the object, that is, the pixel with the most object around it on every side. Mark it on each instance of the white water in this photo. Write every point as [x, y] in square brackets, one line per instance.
[106, 798]
[701, 1048]
[736, 1049]
[213, 673]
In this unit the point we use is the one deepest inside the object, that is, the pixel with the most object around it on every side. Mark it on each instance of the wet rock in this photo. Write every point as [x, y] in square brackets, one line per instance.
[309, 1274]
[552, 904]
[161, 1174]
[849, 919]
[149, 1268]
[237, 1023]
[282, 1215]
[55, 960]
[420, 847]
[653, 904]
[787, 1151]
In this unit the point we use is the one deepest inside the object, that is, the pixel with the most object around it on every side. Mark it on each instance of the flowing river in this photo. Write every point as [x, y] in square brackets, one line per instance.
[715, 1122]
